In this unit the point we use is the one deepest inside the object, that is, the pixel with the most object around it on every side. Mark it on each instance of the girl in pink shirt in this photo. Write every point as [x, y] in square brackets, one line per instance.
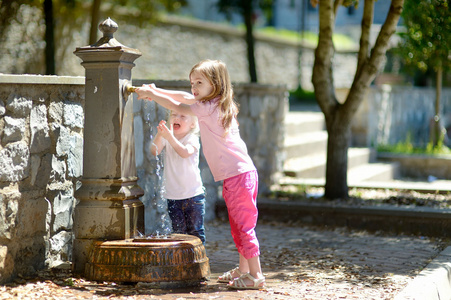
[226, 154]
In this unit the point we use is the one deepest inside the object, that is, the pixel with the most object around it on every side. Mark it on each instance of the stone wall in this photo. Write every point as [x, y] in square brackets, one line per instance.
[41, 151]
[170, 49]
[41, 147]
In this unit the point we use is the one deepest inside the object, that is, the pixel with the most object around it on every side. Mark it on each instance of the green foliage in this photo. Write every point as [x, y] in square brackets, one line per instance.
[407, 147]
[341, 41]
[427, 39]
[139, 12]
[289, 192]
[69, 282]
[301, 95]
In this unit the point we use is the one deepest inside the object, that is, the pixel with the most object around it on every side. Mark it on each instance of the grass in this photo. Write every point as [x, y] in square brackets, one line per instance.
[341, 41]
[302, 96]
[406, 147]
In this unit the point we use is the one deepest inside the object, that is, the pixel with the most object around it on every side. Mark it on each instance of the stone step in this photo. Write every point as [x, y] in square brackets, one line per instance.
[305, 143]
[374, 172]
[298, 122]
[314, 165]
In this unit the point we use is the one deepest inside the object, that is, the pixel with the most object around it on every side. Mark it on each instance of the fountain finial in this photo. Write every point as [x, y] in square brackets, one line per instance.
[108, 28]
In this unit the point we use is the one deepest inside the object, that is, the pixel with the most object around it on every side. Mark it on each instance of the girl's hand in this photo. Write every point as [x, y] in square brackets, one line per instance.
[164, 130]
[144, 92]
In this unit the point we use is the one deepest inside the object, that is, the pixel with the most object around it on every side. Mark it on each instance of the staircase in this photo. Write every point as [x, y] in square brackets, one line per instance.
[306, 144]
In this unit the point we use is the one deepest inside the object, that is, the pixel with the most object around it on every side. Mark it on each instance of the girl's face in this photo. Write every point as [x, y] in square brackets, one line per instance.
[200, 86]
[181, 124]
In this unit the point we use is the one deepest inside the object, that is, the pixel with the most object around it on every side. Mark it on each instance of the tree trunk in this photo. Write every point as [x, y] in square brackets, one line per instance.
[339, 132]
[247, 15]
[49, 38]
[95, 14]
[437, 119]
[339, 116]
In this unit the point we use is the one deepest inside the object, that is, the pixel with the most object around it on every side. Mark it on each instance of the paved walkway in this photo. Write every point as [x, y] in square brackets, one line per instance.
[319, 263]
[299, 262]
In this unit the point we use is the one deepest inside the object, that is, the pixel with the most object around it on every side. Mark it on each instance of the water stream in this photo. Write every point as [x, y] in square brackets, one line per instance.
[157, 221]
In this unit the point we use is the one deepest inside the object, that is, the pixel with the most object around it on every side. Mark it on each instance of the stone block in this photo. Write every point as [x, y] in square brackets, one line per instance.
[9, 207]
[2, 108]
[56, 112]
[63, 142]
[137, 104]
[58, 170]
[14, 162]
[73, 115]
[60, 247]
[75, 156]
[63, 205]
[35, 162]
[13, 130]
[43, 171]
[243, 106]
[6, 264]
[40, 138]
[32, 218]
[256, 106]
[149, 111]
[18, 106]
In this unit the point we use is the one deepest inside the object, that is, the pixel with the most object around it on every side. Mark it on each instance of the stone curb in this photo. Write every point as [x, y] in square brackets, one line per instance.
[425, 221]
[434, 282]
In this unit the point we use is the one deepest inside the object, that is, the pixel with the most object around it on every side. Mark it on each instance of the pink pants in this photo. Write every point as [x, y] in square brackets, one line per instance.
[240, 195]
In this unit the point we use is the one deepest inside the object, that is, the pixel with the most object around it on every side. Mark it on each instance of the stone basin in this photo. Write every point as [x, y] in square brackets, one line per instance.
[178, 260]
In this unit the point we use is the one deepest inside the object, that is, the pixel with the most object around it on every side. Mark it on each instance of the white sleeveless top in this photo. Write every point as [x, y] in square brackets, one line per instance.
[182, 175]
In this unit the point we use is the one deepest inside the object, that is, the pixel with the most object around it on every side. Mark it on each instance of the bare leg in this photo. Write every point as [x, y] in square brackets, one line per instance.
[244, 266]
[254, 267]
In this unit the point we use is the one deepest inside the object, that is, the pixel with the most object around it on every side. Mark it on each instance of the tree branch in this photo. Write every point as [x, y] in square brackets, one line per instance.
[370, 67]
[337, 4]
[322, 68]
[367, 21]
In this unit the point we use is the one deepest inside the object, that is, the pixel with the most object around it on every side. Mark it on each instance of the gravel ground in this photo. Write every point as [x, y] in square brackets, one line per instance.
[299, 262]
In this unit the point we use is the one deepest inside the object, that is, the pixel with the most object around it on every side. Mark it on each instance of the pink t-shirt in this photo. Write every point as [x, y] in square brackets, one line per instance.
[226, 155]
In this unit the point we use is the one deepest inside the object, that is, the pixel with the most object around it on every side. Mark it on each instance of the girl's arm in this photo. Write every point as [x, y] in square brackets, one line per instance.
[179, 96]
[167, 101]
[183, 150]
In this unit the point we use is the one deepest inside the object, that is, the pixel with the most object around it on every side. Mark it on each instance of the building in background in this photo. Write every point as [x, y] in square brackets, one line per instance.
[297, 15]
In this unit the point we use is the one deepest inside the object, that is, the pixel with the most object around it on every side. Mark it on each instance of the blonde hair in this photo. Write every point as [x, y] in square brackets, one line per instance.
[216, 73]
[195, 130]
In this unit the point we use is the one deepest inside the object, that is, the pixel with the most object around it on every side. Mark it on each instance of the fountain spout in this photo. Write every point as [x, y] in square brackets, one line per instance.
[127, 89]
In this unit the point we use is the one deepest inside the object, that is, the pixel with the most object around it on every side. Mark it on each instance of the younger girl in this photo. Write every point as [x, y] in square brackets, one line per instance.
[183, 184]
[226, 154]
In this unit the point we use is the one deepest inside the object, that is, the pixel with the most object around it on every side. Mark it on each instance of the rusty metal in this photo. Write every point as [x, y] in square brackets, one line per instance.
[177, 261]
[127, 89]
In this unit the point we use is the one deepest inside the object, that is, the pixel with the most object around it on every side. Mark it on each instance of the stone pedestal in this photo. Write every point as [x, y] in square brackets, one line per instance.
[109, 205]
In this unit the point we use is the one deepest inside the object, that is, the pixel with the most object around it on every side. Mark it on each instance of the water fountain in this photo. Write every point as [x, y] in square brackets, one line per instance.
[109, 217]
